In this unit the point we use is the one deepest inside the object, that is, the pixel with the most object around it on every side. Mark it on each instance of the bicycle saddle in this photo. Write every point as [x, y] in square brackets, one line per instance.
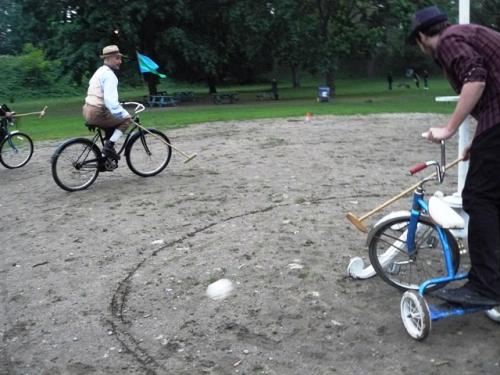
[444, 215]
[91, 127]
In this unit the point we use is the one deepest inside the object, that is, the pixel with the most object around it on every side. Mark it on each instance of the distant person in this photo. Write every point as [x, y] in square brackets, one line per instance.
[274, 89]
[389, 81]
[425, 77]
[416, 79]
[470, 58]
[102, 107]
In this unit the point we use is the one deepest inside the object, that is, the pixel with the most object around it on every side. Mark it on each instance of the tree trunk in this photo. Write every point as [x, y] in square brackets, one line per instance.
[330, 81]
[295, 76]
[212, 89]
[370, 68]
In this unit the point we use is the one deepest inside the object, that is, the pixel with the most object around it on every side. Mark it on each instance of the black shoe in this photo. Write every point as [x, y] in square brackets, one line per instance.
[465, 295]
[109, 150]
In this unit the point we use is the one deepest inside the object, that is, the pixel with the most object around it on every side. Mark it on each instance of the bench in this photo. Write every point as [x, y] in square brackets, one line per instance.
[227, 97]
[266, 95]
[161, 101]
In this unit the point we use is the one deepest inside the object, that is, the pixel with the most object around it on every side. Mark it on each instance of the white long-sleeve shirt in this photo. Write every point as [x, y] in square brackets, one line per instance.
[103, 91]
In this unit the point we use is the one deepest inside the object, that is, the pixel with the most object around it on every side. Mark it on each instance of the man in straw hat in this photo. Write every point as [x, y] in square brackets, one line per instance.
[102, 107]
[470, 58]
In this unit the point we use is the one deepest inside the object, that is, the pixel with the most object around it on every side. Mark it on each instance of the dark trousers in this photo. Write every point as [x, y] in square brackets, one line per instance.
[481, 201]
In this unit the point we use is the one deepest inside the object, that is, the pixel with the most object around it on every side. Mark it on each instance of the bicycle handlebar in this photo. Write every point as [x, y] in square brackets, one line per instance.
[139, 107]
[440, 168]
[417, 168]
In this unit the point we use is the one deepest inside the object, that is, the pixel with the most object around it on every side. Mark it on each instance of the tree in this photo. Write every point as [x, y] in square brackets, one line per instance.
[341, 27]
[11, 32]
[292, 29]
[486, 13]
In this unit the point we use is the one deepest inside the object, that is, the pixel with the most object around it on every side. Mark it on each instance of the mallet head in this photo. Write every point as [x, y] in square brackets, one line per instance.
[356, 222]
[42, 113]
[190, 158]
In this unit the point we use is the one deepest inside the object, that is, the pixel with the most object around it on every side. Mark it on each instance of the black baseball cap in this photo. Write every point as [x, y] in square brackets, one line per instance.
[423, 19]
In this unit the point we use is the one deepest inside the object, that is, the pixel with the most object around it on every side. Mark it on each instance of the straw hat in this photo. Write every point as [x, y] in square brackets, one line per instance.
[110, 51]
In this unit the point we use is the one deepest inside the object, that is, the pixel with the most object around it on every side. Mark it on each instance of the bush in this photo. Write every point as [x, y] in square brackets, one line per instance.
[30, 75]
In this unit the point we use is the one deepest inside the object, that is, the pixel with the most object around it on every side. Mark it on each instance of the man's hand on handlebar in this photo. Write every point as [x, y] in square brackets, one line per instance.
[437, 134]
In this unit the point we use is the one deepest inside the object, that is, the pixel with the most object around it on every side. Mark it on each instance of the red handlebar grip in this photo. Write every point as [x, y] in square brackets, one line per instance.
[417, 168]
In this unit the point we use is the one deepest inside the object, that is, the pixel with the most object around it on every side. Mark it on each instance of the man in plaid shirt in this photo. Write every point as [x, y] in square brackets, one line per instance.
[470, 58]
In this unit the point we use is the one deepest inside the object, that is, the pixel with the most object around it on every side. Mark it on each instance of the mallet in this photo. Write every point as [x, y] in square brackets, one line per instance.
[188, 157]
[358, 221]
[41, 113]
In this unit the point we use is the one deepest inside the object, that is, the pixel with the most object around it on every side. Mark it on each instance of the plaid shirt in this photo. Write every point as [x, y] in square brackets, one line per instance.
[471, 53]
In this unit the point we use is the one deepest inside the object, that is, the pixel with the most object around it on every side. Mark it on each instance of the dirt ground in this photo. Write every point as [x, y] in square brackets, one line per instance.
[112, 280]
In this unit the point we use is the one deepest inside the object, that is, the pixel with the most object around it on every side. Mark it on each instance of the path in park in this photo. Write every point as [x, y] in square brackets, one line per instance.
[112, 280]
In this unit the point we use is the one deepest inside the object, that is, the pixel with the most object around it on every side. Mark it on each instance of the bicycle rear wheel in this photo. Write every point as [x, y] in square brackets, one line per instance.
[75, 164]
[148, 154]
[390, 258]
[16, 150]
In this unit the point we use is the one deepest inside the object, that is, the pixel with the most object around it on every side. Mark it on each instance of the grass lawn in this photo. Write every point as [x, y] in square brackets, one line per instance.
[64, 119]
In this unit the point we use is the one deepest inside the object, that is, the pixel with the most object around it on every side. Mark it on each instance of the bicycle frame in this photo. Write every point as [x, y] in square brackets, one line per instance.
[6, 133]
[416, 313]
[419, 206]
[98, 137]
[135, 119]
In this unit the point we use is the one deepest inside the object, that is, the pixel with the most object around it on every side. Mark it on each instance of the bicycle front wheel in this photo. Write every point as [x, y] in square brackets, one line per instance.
[148, 154]
[16, 150]
[391, 260]
[75, 164]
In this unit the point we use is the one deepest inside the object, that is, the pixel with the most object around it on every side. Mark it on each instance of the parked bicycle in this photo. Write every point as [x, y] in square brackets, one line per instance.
[77, 162]
[16, 148]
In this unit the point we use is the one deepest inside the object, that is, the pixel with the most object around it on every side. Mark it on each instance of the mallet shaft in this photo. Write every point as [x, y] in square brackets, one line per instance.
[403, 193]
[42, 112]
[188, 157]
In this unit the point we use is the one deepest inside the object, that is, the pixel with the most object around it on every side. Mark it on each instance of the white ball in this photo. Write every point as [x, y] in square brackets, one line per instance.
[220, 289]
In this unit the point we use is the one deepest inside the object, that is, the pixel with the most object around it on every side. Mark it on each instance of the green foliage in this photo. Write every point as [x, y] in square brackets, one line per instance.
[11, 30]
[223, 41]
[30, 74]
[486, 13]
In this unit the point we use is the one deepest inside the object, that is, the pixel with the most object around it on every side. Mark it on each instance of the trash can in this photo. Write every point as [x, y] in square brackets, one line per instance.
[323, 94]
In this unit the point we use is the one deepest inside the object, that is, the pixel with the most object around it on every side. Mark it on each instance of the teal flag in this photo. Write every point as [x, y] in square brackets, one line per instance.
[146, 65]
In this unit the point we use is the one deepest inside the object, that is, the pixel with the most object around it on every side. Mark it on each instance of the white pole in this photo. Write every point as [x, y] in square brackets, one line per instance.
[464, 12]
[464, 131]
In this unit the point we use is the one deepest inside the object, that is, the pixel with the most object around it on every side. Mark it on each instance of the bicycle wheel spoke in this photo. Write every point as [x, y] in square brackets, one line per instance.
[391, 260]
[16, 150]
[75, 167]
[148, 154]
[391, 244]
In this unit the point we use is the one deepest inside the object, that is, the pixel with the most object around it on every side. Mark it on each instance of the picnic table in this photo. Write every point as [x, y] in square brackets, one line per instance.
[265, 95]
[184, 96]
[160, 100]
[226, 97]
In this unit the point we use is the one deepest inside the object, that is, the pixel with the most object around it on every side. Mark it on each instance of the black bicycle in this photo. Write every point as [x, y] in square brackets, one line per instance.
[77, 162]
[16, 148]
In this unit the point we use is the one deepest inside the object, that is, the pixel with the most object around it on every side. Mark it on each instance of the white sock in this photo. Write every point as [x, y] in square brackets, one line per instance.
[116, 135]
